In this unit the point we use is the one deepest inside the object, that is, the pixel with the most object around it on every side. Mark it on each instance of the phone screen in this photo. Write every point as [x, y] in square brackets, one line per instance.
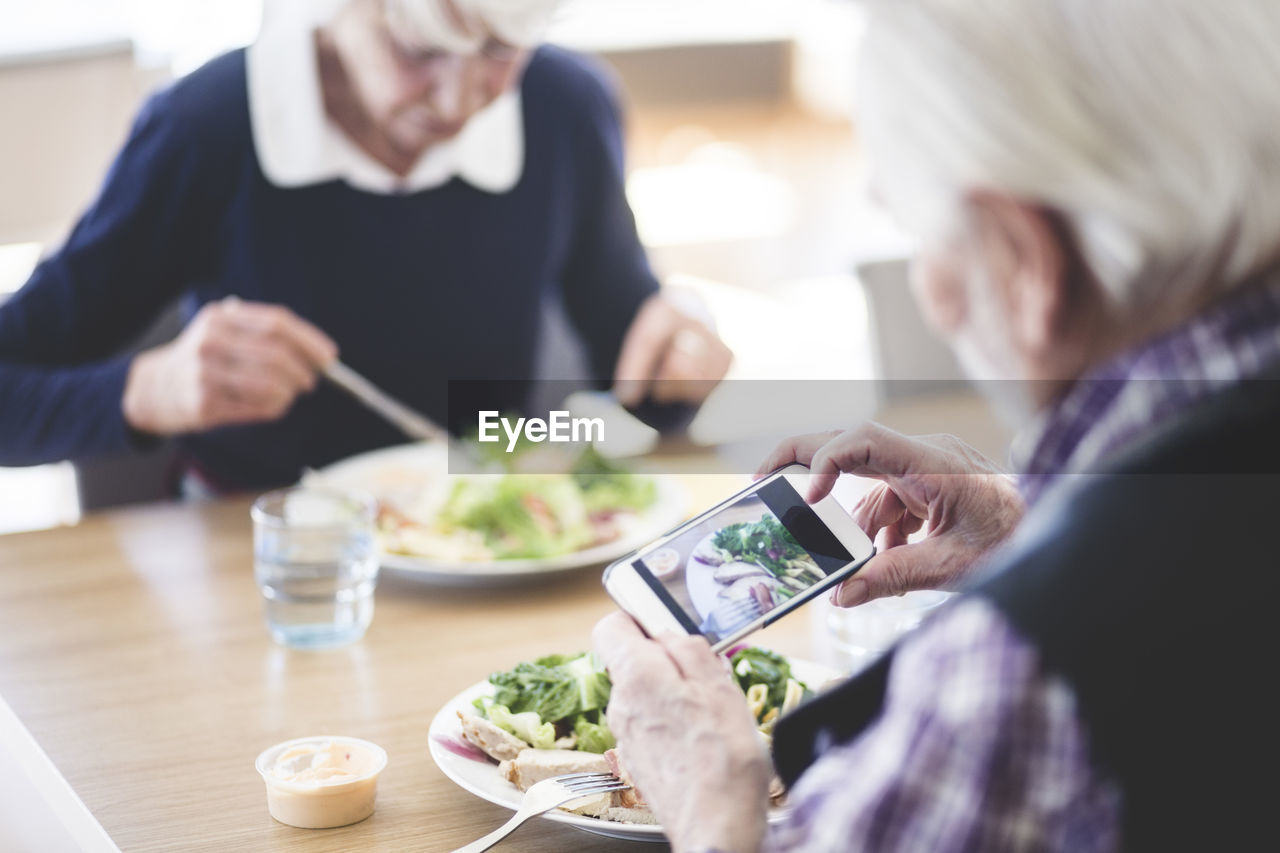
[746, 559]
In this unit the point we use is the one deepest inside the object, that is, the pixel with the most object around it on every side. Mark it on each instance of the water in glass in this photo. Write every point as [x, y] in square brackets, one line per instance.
[316, 568]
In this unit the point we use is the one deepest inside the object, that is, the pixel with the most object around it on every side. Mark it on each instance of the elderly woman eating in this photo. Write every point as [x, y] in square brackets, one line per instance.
[403, 183]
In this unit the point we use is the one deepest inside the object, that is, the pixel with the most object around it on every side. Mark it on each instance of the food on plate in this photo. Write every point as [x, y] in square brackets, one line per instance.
[547, 717]
[516, 516]
[758, 559]
[531, 766]
[728, 573]
[496, 743]
[556, 701]
[765, 677]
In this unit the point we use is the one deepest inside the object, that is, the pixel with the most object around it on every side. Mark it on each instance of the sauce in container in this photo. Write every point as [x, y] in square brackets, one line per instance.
[664, 562]
[320, 782]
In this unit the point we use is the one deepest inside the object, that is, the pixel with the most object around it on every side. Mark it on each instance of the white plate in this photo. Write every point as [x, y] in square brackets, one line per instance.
[700, 580]
[479, 775]
[396, 472]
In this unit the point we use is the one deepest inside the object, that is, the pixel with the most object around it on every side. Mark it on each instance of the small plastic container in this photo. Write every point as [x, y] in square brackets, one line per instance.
[322, 781]
[664, 562]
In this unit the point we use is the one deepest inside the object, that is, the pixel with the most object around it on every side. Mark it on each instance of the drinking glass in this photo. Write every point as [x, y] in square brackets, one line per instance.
[860, 634]
[315, 564]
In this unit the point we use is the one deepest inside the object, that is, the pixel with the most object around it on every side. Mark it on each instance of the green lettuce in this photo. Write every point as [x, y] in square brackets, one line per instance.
[594, 686]
[609, 487]
[527, 726]
[754, 665]
[556, 688]
[533, 516]
[555, 660]
[546, 690]
[557, 695]
[593, 736]
[765, 542]
[521, 515]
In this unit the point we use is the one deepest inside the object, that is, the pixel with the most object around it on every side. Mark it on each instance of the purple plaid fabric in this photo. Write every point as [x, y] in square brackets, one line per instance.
[977, 749]
[1107, 410]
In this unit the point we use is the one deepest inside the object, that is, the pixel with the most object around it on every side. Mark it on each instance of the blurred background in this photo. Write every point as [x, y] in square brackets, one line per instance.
[744, 175]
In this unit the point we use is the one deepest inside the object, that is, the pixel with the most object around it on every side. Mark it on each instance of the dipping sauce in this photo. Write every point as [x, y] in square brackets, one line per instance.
[663, 562]
[320, 782]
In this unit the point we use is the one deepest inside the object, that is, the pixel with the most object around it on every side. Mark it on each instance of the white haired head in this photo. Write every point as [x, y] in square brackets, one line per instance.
[1151, 126]
[461, 26]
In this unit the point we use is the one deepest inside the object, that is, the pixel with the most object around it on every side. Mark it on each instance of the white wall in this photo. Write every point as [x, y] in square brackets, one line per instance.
[65, 118]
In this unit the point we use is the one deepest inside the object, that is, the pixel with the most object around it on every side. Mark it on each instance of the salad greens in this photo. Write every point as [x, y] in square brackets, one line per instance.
[546, 515]
[593, 737]
[753, 665]
[527, 726]
[565, 696]
[552, 697]
[528, 515]
[606, 485]
[768, 544]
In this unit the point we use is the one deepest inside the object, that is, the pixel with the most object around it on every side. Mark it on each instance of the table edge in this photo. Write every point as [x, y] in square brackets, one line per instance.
[51, 785]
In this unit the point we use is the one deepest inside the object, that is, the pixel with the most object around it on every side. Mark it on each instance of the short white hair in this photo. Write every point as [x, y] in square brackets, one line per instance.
[518, 22]
[1152, 126]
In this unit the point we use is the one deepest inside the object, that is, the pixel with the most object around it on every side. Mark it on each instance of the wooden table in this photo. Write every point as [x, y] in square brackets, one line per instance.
[133, 653]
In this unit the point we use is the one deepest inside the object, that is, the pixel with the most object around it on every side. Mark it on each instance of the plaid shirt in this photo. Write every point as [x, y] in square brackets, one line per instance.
[1115, 405]
[977, 749]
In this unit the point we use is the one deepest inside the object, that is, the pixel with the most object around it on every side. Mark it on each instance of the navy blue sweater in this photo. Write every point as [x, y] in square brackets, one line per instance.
[416, 289]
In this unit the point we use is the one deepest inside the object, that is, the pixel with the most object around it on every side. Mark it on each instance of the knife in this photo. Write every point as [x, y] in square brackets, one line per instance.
[411, 423]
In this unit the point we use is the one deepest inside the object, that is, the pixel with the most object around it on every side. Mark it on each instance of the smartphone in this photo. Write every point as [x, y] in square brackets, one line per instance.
[742, 564]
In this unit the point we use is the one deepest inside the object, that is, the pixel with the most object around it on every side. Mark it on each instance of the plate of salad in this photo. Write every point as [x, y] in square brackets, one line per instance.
[754, 558]
[546, 717]
[472, 528]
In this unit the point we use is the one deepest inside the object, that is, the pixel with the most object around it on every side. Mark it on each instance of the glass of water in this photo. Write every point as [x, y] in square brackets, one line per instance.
[315, 564]
[860, 634]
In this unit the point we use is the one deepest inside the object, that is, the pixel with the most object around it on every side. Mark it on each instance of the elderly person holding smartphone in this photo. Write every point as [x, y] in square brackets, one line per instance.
[1094, 185]
[402, 182]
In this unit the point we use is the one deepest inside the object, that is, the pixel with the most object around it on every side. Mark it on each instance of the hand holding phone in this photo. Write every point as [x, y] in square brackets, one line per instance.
[742, 564]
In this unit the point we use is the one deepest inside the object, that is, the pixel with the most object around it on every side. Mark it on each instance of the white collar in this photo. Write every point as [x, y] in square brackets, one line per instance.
[297, 144]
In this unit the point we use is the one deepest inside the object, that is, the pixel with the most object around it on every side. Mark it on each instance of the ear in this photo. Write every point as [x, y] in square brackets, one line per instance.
[1028, 263]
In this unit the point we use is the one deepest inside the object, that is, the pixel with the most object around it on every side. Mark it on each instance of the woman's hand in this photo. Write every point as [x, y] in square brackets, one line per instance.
[235, 362]
[970, 507]
[670, 355]
[686, 737]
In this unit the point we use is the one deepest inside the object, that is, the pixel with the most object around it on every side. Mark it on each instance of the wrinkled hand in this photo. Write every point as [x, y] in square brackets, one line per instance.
[670, 355]
[969, 505]
[686, 736]
[235, 363]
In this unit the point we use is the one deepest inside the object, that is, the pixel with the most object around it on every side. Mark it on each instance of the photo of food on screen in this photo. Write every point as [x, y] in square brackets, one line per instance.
[732, 568]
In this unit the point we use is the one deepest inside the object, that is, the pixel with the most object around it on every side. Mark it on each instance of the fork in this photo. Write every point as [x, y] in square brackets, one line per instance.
[731, 615]
[546, 795]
